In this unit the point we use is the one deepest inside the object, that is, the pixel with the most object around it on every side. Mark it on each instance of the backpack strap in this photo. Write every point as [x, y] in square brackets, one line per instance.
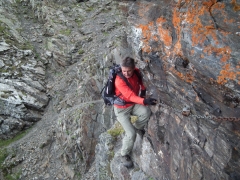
[139, 75]
[120, 74]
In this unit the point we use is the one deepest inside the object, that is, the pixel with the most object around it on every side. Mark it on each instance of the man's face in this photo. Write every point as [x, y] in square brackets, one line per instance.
[127, 71]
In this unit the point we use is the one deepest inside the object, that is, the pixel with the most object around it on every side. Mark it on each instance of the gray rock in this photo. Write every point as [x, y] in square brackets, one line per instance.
[1, 64]
[187, 54]
[4, 46]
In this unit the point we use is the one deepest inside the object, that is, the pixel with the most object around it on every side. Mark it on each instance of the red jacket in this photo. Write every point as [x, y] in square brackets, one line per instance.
[127, 94]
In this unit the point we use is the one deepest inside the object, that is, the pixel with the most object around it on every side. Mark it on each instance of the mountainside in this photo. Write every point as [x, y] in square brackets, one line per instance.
[54, 61]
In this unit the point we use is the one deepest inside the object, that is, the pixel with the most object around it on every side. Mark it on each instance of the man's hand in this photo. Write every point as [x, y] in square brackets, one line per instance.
[143, 93]
[149, 101]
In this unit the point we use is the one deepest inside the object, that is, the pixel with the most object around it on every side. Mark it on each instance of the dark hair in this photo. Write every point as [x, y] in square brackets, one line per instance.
[128, 62]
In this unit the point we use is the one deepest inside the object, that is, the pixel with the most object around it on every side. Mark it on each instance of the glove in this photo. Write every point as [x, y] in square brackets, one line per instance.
[149, 101]
[143, 93]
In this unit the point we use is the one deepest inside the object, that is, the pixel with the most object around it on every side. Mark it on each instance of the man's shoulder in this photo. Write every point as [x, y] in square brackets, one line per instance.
[119, 78]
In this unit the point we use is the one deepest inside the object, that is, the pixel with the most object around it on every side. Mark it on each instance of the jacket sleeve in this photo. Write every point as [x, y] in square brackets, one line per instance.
[127, 93]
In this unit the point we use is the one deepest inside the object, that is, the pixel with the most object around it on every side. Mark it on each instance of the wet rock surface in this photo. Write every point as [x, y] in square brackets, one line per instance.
[54, 59]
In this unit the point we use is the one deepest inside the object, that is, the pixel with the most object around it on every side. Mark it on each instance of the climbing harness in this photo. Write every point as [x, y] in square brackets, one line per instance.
[186, 112]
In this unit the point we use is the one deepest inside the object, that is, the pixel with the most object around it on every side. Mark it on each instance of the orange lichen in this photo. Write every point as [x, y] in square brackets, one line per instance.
[161, 20]
[231, 21]
[188, 77]
[209, 27]
[209, 3]
[197, 98]
[146, 36]
[192, 52]
[179, 74]
[211, 80]
[154, 31]
[219, 5]
[178, 48]
[236, 7]
[146, 28]
[226, 74]
[200, 32]
[202, 56]
[165, 34]
[147, 60]
[192, 17]
[176, 20]
[224, 52]
[155, 38]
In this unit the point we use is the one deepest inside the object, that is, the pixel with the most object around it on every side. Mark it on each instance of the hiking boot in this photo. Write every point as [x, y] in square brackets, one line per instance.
[127, 162]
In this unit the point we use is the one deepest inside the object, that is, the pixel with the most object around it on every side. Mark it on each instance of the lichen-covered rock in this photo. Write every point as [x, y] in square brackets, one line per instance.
[188, 53]
[193, 60]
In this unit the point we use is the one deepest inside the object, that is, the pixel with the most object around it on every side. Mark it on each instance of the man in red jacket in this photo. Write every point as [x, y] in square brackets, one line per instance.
[135, 105]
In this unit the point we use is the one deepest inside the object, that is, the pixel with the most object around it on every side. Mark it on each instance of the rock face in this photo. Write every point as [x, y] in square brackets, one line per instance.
[22, 80]
[190, 58]
[188, 51]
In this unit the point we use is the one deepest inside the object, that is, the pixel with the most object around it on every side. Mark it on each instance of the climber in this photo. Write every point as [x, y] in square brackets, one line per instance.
[135, 105]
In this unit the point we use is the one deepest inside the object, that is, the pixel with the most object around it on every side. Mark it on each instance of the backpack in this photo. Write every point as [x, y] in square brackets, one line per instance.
[108, 91]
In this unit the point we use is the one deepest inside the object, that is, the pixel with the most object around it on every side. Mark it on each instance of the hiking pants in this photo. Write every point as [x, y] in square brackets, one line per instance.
[124, 116]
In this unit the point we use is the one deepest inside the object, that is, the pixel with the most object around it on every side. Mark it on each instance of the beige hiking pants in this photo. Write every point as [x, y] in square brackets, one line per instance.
[123, 116]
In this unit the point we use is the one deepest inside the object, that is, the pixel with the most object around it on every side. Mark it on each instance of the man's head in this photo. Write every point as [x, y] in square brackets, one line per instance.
[128, 66]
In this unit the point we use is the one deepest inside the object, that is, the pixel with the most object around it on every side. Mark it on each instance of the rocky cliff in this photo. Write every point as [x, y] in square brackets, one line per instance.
[54, 62]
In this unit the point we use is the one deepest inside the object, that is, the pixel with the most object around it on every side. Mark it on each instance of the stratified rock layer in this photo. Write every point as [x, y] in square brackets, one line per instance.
[22, 86]
[188, 51]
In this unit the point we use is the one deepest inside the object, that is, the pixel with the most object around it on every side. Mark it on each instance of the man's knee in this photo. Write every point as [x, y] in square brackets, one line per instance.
[146, 111]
